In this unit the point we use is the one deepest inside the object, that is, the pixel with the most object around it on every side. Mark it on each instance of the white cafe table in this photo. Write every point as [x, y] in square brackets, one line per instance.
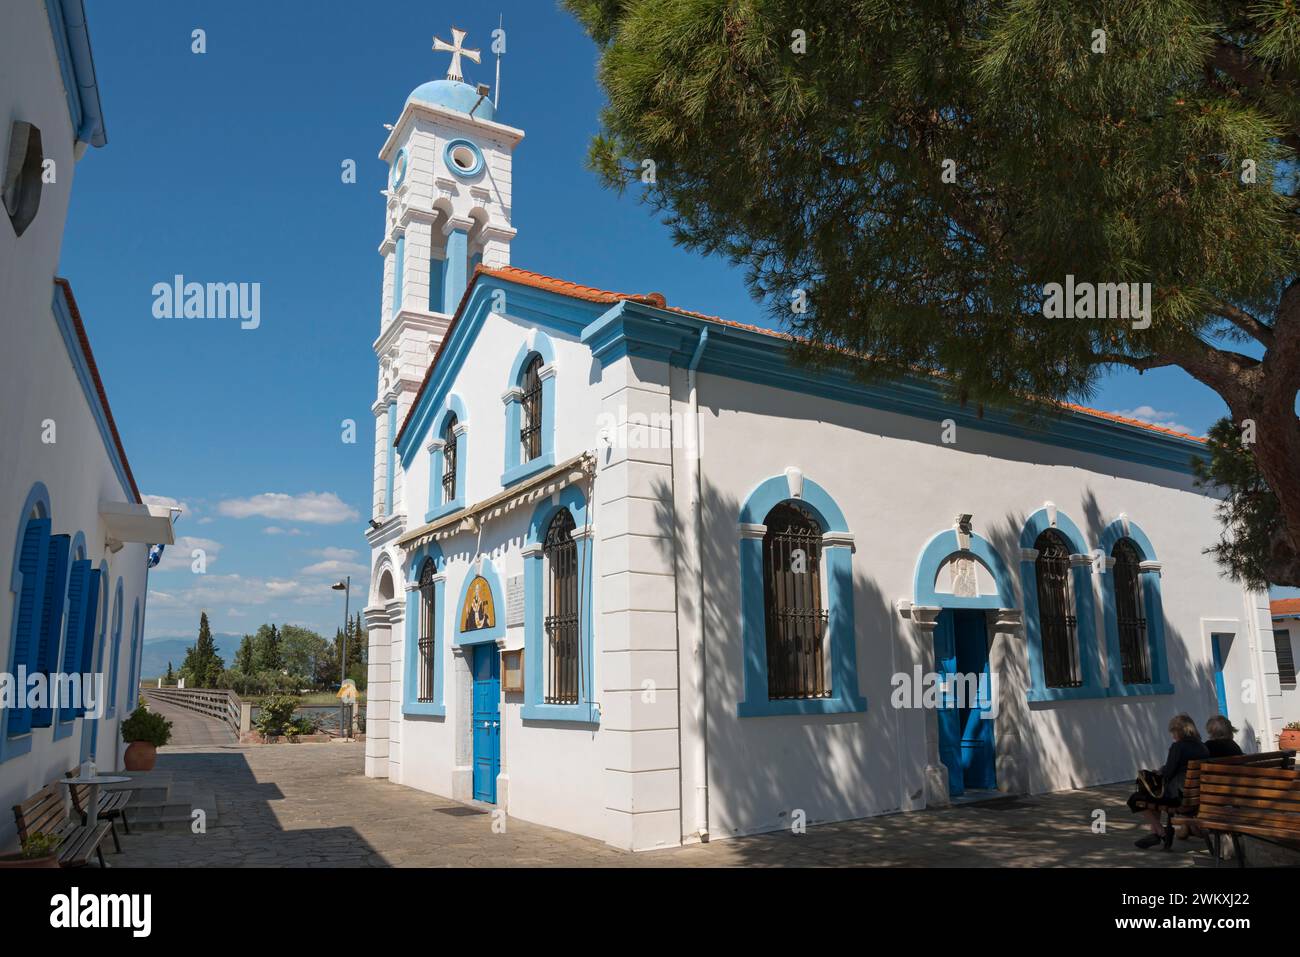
[91, 804]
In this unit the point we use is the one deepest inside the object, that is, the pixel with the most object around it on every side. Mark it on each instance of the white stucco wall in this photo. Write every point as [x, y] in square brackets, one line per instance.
[38, 383]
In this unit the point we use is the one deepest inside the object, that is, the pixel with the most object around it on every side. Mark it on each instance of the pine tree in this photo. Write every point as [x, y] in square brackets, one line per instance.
[904, 183]
[170, 677]
[202, 666]
[244, 656]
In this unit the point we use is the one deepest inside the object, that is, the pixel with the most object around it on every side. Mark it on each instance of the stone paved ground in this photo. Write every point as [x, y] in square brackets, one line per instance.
[310, 804]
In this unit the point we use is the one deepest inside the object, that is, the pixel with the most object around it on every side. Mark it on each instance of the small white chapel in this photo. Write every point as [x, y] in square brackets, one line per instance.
[637, 575]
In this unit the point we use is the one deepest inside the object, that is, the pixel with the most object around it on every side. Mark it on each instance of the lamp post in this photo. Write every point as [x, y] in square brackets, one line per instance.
[346, 588]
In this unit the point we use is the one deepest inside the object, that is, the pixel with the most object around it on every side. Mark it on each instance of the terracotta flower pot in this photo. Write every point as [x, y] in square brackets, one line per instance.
[17, 860]
[140, 756]
[1289, 740]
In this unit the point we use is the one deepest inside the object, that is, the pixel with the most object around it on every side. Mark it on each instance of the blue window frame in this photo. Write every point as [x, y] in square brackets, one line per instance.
[1124, 534]
[539, 607]
[1044, 527]
[427, 562]
[450, 429]
[27, 582]
[519, 465]
[836, 571]
[133, 663]
[114, 651]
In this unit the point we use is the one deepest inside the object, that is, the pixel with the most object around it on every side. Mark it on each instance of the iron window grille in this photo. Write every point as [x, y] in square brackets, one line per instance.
[1134, 652]
[792, 604]
[1285, 659]
[449, 461]
[426, 643]
[1056, 619]
[561, 554]
[530, 431]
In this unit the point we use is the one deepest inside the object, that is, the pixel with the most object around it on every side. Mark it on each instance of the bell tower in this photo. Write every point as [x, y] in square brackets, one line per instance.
[447, 210]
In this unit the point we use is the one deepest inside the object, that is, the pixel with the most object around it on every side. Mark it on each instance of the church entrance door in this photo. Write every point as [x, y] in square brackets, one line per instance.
[487, 721]
[961, 654]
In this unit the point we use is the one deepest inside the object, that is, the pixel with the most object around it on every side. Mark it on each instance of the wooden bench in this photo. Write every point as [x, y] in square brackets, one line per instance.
[1254, 794]
[47, 812]
[112, 806]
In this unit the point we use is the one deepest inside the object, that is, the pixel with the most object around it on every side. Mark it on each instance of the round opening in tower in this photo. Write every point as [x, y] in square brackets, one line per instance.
[464, 158]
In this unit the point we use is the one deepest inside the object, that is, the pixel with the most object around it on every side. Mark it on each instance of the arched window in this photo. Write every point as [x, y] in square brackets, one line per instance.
[530, 423]
[1057, 620]
[428, 623]
[1134, 650]
[560, 552]
[792, 603]
[449, 460]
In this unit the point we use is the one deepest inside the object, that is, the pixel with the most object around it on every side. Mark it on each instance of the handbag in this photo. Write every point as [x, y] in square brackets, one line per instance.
[1151, 784]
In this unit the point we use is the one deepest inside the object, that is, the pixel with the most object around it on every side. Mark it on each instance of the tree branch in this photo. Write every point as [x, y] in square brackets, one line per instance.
[1260, 331]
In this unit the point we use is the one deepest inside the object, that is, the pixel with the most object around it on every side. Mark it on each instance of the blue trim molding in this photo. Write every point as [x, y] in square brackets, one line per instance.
[399, 275]
[456, 169]
[486, 570]
[439, 505]
[398, 171]
[1084, 610]
[1153, 609]
[515, 469]
[77, 67]
[837, 570]
[936, 553]
[63, 317]
[535, 708]
[392, 459]
[411, 706]
[454, 274]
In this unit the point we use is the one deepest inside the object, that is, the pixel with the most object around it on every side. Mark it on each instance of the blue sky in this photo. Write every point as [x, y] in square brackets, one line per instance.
[225, 167]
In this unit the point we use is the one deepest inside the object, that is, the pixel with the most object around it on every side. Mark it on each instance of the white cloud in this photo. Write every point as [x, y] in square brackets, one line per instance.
[179, 556]
[1154, 416]
[321, 508]
[277, 530]
[165, 501]
[335, 569]
[335, 554]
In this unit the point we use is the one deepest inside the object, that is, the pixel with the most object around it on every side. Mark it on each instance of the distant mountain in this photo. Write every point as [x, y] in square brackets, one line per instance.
[158, 651]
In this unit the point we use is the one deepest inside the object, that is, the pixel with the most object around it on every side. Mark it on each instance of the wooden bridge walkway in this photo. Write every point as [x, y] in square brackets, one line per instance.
[189, 728]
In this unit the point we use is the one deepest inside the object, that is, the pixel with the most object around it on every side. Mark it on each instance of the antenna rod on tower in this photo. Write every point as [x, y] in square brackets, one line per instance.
[496, 88]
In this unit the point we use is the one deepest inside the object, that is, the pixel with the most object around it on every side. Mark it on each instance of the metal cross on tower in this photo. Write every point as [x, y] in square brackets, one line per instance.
[456, 50]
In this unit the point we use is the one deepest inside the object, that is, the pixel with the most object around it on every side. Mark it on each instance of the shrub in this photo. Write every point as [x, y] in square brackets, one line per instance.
[276, 714]
[145, 725]
[39, 844]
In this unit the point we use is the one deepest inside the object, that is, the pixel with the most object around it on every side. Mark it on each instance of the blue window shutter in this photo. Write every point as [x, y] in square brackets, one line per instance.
[51, 630]
[31, 563]
[77, 610]
[87, 663]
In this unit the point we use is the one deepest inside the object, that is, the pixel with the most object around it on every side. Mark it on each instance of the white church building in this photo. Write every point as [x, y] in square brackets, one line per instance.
[76, 534]
[638, 576]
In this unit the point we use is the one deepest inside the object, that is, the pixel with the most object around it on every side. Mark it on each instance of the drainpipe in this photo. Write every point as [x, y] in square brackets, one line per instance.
[694, 483]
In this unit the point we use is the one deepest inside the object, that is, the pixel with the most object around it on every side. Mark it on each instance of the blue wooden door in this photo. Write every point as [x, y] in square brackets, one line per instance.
[977, 757]
[1218, 648]
[945, 663]
[487, 722]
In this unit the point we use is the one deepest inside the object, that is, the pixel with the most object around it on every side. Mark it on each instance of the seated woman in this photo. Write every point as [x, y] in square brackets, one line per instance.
[1220, 745]
[1186, 747]
[1220, 731]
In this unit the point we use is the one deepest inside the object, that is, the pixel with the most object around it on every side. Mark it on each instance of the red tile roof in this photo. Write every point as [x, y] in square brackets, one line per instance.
[84, 342]
[1284, 607]
[591, 294]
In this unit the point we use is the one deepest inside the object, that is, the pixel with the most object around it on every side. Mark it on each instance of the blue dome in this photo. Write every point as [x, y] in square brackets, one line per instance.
[453, 95]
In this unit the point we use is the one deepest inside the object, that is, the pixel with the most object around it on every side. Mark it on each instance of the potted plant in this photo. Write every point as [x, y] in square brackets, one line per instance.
[1289, 739]
[38, 850]
[145, 732]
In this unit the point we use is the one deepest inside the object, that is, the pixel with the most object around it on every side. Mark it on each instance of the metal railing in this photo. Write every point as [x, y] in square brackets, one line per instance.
[225, 706]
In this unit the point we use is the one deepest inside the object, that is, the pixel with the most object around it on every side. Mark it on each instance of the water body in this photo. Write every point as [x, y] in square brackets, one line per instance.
[328, 715]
